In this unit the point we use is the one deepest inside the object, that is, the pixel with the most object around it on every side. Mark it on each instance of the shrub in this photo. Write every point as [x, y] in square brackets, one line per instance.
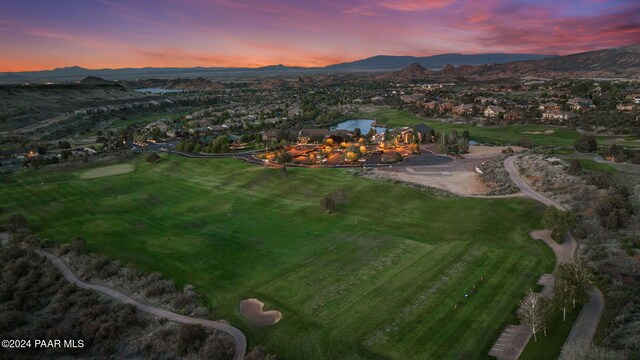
[283, 157]
[78, 246]
[558, 222]
[152, 157]
[16, 222]
[216, 348]
[615, 209]
[586, 143]
[190, 338]
[575, 168]
[328, 205]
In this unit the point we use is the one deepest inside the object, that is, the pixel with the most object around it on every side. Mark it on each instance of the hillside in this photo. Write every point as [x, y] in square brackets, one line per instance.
[387, 62]
[609, 63]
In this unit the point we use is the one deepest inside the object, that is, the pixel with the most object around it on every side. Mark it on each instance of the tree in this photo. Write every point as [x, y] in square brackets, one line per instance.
[563, 289]
[283, 157]
[531, 312]
[152, 157]
[64, 144]
[372, 132]
[558, 222]
[546, 310]
[328, 205]
[220, 144]
[581, 280]
[586, 143]
[462, 145]
[575, 168]
[615, 209]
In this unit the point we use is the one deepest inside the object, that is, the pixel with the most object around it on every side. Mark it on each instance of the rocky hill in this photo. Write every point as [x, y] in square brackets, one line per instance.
[94, 80]
[610, 63]
[410, 73]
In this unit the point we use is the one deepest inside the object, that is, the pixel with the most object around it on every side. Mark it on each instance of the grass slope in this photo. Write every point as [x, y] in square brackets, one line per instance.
[590, 165]
[549, 347]
[378, 279]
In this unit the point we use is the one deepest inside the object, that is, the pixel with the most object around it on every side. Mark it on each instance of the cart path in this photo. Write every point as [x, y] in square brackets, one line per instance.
[240, 341]
[514, 338]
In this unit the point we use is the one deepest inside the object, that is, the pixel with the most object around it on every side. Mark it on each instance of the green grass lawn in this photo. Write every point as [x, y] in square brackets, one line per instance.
[378, 279]
[499, 135]
[549, 347]
[590, 165]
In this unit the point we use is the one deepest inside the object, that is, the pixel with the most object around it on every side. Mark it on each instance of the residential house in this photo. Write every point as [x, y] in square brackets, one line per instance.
[424, 132]
[431, 105]
[483, 100]
[513, 115]
[269, 135]
[463, 109]
[493, 111]
[556, 114]
[403, 134]
[550, 106]
[412, 98]
[378, 138]
[446, 106]
[626, 107]
[306, 136]
[580, 104]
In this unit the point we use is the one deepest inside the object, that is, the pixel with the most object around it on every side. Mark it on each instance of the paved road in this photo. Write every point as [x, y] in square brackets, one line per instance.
[240, 342]
[514, 338]
[585, 326]
[510, 166]
[564, 252]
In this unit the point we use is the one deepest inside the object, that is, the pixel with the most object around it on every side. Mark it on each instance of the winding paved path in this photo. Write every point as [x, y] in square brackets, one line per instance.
[514, 338]
[509, 165]
[240, 342]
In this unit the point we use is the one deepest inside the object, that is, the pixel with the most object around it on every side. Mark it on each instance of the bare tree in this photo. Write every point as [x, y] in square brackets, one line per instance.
[531, 312]
[564, 289]
[546, 311]
[581, 278]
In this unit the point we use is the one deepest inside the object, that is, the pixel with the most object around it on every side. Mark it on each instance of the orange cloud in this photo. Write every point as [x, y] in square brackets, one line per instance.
[416, 5]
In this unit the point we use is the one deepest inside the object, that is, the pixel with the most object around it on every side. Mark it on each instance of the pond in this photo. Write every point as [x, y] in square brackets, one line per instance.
[158, 90]
[364, 124]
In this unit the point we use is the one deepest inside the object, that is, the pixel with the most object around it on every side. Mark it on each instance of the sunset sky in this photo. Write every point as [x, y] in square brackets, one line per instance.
[46, 34]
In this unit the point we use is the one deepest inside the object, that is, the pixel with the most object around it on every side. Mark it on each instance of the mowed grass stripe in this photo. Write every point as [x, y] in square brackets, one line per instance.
[441, 315]
[473, 314]
[377, 307]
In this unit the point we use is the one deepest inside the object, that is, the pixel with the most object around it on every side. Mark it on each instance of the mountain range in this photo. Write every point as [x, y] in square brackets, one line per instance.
[610, 63]
[621, 62]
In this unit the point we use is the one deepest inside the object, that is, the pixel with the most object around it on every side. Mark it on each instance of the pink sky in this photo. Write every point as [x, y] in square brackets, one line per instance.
[46, 34]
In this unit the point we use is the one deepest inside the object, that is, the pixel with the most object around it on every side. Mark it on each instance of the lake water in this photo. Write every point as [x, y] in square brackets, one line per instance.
[159, 90]
[363, 124]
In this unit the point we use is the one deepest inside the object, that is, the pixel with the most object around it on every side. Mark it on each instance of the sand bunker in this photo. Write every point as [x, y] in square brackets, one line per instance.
[251, 309]
[546, 132]
[108, 171]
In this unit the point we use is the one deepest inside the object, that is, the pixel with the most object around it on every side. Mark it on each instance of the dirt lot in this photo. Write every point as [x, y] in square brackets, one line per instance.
[458, 177]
